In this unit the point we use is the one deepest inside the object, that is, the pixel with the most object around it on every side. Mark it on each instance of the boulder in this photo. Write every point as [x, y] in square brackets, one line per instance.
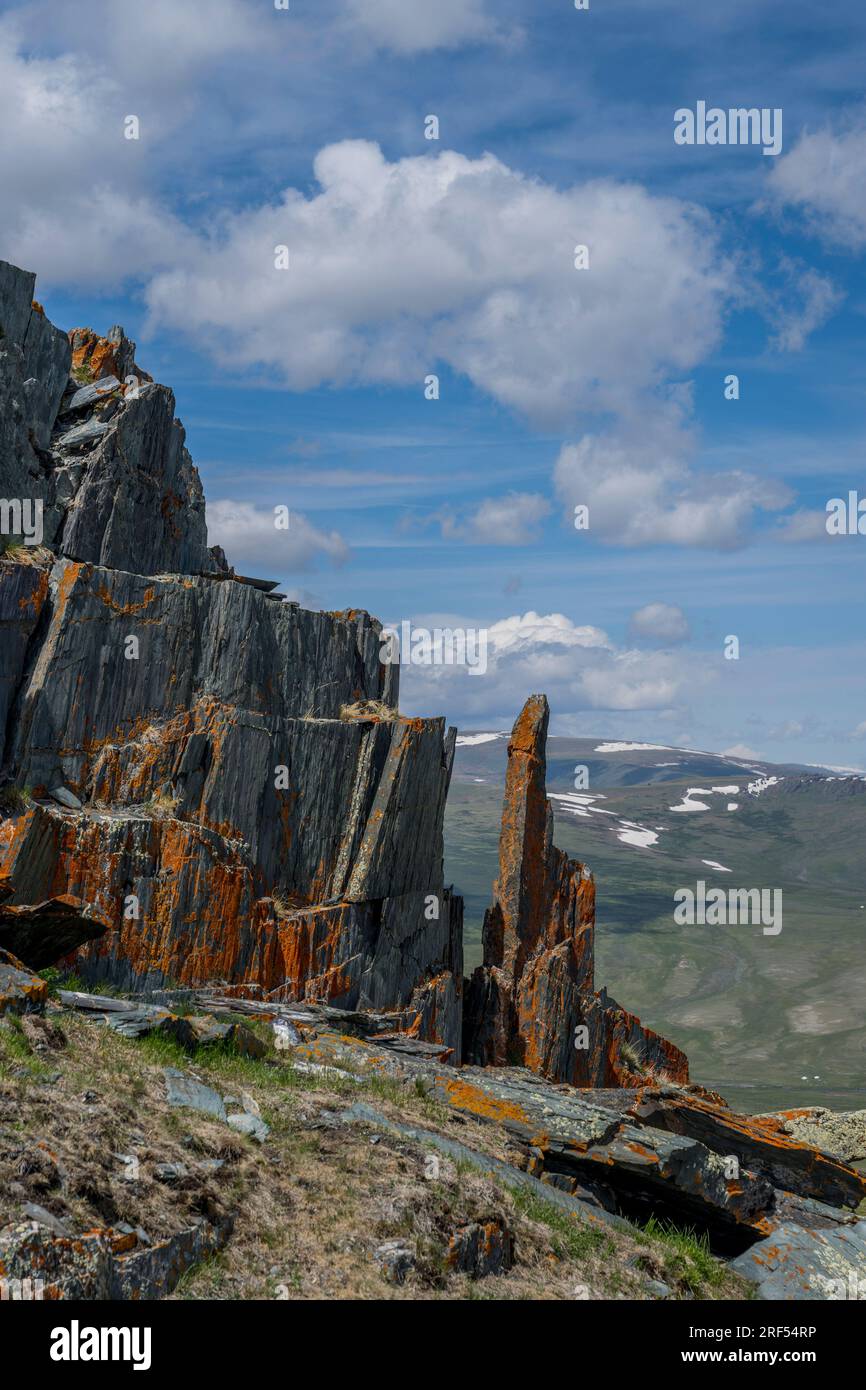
[21, 992]
[481, 1248]
[842, 1133]
[796, 1263]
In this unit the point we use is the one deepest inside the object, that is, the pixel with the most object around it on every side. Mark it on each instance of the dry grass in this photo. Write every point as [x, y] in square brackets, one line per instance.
[368, 709]
[15, 552]
[162, 806]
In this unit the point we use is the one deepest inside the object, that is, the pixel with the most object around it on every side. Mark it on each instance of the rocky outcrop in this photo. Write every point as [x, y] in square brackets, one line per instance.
[781, 1211]
[532, 1002]
[108, 1264]
[175, 745]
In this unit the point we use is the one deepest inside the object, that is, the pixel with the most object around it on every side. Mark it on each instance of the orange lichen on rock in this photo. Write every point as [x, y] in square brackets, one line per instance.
[464, 1096]
[97, 357]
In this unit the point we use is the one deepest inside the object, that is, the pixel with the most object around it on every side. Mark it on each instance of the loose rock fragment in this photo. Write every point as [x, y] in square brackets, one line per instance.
[481, 1248]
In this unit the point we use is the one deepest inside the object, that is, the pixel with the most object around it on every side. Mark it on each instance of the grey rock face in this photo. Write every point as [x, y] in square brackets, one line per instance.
[216, 807]
[40, 352]
[23, 590]
[140, 505]
[34, 364]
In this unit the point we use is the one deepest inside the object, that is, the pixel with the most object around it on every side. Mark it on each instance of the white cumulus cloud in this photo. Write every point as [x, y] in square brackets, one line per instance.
[579, 668]
[398, 267]
[510, 520]
[252, 541]
[824, 176]
[643, 490]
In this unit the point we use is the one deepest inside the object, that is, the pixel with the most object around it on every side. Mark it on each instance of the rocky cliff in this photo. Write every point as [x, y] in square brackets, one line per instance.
[187, 759]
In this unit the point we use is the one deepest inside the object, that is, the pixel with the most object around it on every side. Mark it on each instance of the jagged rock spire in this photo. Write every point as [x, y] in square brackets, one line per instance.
[532, 1001]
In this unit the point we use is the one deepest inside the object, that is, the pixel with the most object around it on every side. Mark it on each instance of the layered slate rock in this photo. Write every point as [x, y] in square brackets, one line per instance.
[783, 1214]
[137, 466]
[224, 778]
[23, 590]
[532, 1002]
[34, 370]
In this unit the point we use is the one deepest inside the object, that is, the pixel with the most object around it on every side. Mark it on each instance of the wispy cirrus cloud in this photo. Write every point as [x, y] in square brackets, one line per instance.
[418, 26]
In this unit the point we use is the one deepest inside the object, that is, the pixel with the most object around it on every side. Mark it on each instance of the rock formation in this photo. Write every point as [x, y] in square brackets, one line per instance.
[209, 795]
[176, 748]
[532, 1001]
[203, 782]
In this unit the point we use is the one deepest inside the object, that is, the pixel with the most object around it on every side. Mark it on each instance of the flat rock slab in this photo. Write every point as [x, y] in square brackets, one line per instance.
[64, 797]
[486, 1163]
[842, 1134]
[41, 934]
[87, 433]
[795, 1263]
[102, 1003]
[89, 395]
[137, 1023]
[618, 1154]
[759, 1143]
[136, 1020]
[184, 1090]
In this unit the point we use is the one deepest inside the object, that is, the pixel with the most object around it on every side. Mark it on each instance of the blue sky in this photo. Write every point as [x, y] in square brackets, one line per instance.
[558, 386]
